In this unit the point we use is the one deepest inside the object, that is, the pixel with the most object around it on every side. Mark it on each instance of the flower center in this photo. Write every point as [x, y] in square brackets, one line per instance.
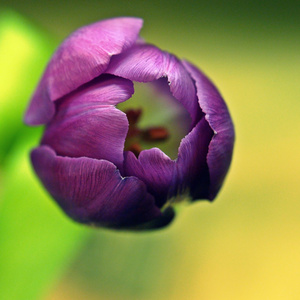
[136, 136]
[156, 119]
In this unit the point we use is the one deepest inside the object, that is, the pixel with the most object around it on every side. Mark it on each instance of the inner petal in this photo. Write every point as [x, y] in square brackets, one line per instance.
[162, 121]
[88, 124]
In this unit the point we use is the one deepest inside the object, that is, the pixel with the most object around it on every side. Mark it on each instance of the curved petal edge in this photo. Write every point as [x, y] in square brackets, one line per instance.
[84, 55]
[93, 191]
[217, 115]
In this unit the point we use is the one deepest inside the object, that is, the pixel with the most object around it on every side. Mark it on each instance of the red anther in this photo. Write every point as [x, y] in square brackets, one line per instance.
[136, 135]
[133, 131]
[135, 149]
[133, 115]
[155, 134]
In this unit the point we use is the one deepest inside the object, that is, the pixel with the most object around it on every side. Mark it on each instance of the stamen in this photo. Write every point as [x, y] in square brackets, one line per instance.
[135, 135]
[133, 115]
[155, 134]
[133, 131]
[135, 149]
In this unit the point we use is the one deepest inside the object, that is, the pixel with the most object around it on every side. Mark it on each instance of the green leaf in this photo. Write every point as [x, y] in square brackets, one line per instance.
[37, 241]
[24, 52]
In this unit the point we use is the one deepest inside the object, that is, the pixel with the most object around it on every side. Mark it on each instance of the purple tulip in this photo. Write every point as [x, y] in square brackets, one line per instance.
[101, 164]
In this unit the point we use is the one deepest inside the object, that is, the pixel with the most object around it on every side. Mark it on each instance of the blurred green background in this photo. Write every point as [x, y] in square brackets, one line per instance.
[246, 244]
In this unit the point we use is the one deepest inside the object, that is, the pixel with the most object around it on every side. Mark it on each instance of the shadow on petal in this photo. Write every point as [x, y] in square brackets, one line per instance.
[92, 191]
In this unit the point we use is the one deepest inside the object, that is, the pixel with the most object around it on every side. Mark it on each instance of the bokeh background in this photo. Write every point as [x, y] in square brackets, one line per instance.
[244, 245]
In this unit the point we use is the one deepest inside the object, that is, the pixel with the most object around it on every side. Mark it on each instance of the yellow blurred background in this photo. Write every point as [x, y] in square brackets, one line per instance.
[244, 245]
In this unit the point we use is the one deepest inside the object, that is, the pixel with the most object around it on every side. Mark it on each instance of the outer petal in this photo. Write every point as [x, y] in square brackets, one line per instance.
[144, 63]
[154, 168]
[216, 113]
[81, 57]
[88, 124]
[191, 164]
[92, 191]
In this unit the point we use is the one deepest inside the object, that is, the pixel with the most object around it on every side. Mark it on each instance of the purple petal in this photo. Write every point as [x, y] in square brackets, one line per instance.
[92, 191]
[145, 63]
[88, 124]
[41, 109]
[216, 113]
[166, 178]
[156, 170]
[83, 56]
[191, 164]
[103, 90]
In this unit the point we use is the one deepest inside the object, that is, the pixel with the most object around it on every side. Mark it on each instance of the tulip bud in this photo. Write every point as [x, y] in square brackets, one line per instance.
[101, 164]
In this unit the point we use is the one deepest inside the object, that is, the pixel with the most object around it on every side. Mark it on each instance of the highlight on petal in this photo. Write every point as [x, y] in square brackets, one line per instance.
[103, 90]
[84, 55]
[217, 115]
[88, 124]
[145, 63]
[92, 191]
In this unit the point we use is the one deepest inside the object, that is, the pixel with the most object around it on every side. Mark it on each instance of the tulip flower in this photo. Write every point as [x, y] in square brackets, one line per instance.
[99, 158]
